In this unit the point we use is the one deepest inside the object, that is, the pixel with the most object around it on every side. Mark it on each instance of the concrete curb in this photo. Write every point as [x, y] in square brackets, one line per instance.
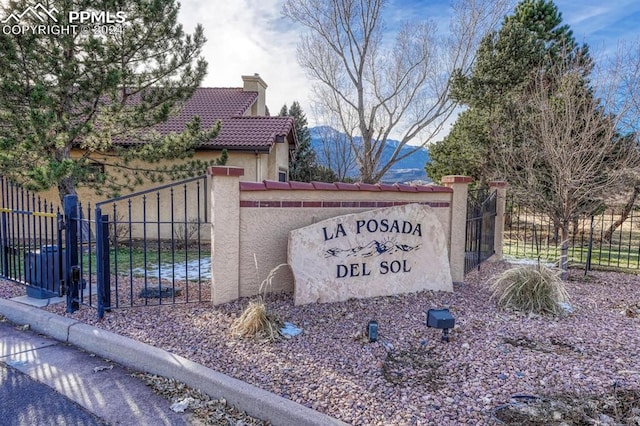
[140, 356]
[43, 322]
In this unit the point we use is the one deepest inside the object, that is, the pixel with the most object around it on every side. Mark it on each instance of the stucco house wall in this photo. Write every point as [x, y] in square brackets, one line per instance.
[255, 142]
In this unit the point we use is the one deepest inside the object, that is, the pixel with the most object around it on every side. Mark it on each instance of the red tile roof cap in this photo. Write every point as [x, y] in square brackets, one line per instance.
[339, 186]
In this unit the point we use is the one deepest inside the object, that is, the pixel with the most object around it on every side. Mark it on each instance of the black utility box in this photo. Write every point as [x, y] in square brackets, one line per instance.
[42, 270]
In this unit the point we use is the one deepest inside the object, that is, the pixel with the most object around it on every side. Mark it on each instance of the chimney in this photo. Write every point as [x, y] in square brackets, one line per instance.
[253, 83]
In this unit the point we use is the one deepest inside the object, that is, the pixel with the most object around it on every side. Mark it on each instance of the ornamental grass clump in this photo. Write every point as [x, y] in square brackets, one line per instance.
[530, 289]
[255, 321]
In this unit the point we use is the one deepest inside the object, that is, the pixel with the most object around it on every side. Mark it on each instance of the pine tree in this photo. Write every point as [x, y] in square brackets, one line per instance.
[68, 98]
[461, 152]
[301, 168]
[507, 62]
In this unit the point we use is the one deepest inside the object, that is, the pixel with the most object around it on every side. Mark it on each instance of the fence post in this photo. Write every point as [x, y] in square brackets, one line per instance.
[460, 186]
[4, 244]
[501, 202]
[225, 233]
[102, 263]
[587, 266]
[4, 240]
[70, 204]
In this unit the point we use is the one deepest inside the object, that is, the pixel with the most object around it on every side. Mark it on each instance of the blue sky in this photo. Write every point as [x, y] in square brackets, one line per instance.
[597, 22]
[250, 36]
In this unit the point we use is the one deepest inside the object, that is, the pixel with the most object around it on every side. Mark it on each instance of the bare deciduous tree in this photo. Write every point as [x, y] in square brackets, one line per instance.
[334, 151]
[374, 88]
[573, 155]
[623, 69]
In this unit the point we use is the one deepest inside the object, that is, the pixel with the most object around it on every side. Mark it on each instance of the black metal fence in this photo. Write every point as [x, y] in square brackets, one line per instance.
[605, 239]
[143, 249]
[30, 240]
[480, 227]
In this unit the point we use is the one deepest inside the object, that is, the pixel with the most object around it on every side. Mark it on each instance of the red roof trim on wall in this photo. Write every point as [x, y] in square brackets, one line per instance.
[225, 171]
[456, 179]
[340, 186]
[368, 187]
[301, 185]
[406, 188]
[337, 204]
[252, 186]
[324, 186]
[274, 184]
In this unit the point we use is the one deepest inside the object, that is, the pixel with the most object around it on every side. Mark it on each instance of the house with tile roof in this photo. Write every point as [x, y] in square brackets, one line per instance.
[262, 145]
[259, 143]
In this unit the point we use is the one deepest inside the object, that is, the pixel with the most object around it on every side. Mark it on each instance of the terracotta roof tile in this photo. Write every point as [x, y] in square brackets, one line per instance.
[274, 184]
[387, 187]
[301, 185]
[211, 104]
[367, 186]
[342, 186]
[229, 106]
[251, 132]
[433, 188]
[324, 186]
[405, 188]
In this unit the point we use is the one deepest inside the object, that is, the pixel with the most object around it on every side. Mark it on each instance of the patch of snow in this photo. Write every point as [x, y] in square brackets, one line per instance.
[522, 261]
[178, 271]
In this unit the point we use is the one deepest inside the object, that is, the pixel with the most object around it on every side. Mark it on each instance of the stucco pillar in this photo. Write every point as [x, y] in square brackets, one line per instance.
[225, 233]
[501, 201]
[460, 186]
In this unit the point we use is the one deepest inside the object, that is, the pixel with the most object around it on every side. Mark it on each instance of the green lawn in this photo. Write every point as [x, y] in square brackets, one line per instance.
[607, 256]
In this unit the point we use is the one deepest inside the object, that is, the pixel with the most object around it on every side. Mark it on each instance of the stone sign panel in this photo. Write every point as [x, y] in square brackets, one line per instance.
[374, 253]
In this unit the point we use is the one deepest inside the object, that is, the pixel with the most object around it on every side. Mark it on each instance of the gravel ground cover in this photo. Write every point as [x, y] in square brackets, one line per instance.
[409, 376]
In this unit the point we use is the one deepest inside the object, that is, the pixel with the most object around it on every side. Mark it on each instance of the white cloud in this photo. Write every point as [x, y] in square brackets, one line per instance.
[597, 22]
[247, 37]
[251, 36]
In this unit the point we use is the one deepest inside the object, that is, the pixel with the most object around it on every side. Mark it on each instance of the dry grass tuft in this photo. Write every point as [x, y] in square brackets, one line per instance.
[255, 321]
[530, 289]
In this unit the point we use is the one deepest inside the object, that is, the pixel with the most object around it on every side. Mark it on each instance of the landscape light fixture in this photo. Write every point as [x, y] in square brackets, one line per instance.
[441, 318]
[372, 330]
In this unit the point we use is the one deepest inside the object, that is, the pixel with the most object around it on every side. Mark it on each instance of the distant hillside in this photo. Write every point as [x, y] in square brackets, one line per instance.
[408, 169]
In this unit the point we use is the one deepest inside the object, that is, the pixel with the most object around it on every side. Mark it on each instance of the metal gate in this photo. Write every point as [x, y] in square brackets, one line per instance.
[153, 247]
[144, 249]
[480, 228]
[42, 246]
[31, 249]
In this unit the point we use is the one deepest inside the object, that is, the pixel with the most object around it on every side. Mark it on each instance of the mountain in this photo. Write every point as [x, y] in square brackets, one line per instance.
[408, 169]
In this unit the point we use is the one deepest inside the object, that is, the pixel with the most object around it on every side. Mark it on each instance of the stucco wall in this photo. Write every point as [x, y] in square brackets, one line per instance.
[264, 233]
[268, 211]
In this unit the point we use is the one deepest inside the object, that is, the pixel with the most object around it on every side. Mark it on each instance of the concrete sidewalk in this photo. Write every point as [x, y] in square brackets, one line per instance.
[102, 387]
[113, 392]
